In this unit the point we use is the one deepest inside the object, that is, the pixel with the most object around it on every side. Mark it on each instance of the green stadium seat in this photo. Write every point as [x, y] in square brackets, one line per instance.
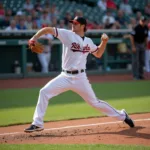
[93, 14]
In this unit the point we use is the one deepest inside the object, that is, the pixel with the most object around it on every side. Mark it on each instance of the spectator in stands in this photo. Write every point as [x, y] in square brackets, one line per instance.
[34, 15]
[147, 53]
[147, 9]
[132, 23]
[54, 12]
[12, 26]
[120, 18]
[34, 25]
[69, 27]
[2, 10]
[107, 24]
[38, 6]
[98, 25]
[108, 20]
[21, 24]
[36, 18]
[27, 6]
[46, 4]
[138, 42]
[9, 13]
[116, 25]
[111, 5]
[124, 6]
[79, 13]
[28, 22]
[62, 24]
[45, 19]
[102, 4]
[138, 16]
[54, 22]
[5, 22]
[90, 25]
[16, 19]
[67, 18]
[19, 14]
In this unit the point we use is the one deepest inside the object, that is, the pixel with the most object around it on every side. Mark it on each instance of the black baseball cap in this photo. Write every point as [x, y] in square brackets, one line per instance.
[79, 20]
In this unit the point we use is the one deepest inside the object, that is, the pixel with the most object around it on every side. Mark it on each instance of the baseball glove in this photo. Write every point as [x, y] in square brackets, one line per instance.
[35, 46]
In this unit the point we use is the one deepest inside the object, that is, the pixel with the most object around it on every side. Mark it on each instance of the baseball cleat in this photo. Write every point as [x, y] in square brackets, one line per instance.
[33, 128]
[128, 120]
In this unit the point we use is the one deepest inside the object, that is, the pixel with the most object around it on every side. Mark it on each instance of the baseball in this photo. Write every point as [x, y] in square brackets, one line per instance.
[104, 36]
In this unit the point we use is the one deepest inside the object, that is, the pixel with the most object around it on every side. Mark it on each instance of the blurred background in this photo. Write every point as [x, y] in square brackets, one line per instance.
[20, 19]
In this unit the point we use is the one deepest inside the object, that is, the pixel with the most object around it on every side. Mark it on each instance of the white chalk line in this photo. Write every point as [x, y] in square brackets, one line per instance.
[77, 126]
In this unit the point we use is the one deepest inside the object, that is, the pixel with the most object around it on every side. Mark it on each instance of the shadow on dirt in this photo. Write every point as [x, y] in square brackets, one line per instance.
[129, 133]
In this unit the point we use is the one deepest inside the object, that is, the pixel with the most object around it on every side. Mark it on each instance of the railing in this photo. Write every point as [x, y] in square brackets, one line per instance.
[89, 32]
[94, 34]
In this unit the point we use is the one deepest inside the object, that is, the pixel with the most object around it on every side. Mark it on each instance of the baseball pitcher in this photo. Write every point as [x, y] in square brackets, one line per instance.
[76, 47]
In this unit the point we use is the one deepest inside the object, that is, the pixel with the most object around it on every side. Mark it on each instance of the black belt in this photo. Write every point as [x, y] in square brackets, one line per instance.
[74, 71]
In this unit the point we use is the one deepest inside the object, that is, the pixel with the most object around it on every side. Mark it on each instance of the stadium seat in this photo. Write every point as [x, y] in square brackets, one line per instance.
[93, 14]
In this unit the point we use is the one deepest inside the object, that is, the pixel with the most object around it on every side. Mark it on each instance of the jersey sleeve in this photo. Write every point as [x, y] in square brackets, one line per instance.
[63, 35]
[50, 36]
[93, 47]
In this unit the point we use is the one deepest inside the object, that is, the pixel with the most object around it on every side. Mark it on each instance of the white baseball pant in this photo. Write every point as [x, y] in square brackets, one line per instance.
[77, 83]
[44, 59]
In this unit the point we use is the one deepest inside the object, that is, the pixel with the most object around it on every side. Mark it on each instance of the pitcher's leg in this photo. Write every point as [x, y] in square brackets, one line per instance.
[85, 90]
[51, 89]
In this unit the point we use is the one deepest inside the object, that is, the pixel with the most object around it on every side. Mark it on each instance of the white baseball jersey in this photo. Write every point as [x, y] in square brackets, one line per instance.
[75, 49]
[74, 57]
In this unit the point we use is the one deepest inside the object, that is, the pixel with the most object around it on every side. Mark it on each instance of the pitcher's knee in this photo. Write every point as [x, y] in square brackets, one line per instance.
[45, 91]
[42, 91]
[94, 102]
[48, 93]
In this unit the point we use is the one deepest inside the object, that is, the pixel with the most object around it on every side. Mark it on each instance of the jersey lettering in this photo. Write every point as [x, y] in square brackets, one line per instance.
[86, 48]
[76, 48]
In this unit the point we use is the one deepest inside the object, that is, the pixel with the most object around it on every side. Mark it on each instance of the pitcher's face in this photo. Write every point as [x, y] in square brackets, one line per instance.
[77, 27]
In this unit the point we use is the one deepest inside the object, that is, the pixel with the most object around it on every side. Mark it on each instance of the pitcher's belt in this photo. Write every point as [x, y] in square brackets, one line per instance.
[74, 71]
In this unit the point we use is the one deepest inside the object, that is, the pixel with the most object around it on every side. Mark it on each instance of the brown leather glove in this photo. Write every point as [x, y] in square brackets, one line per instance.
[35, 46]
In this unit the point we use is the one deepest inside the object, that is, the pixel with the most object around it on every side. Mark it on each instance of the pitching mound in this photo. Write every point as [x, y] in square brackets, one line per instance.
[103, 130]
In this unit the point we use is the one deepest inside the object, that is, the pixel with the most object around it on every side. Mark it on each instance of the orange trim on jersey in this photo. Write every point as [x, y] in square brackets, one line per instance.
[95, 50]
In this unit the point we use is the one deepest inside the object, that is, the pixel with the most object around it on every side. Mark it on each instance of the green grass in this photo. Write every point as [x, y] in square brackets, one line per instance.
[72, 147]
[17, 105]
